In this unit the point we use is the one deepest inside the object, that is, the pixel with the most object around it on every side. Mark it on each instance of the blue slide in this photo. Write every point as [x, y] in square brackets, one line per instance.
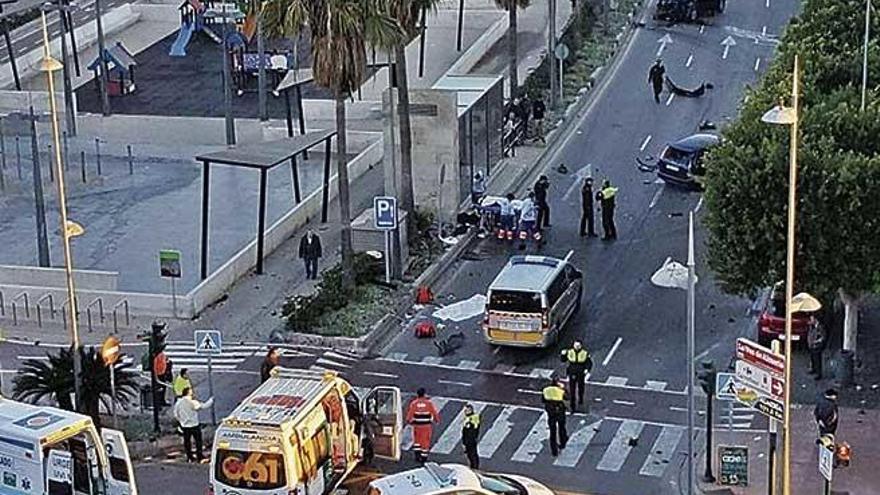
[178, 49]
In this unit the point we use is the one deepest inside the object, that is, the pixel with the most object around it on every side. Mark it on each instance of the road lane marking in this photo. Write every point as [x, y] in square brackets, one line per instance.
[496, 434]
[504, 368]
[655, 385]
[336, 355]
[707, 351]
[702, 28]
[669, 100]
[329, 362]
[528, 391]
[699, 205]
[451, 436]
[616, 380]
[468, 364]
[532, 445]
[619, 449]
[381, 375]
[579, 176]
[612, 351]
[764, 31]
[767, 3]
[451, 382]
[577, 445]
[397, 356]
[541, 373]
[662, 451]
[645, 143]
[757, 63]
[656, 198]
[690, 60]
[432, 360]
[623, 402]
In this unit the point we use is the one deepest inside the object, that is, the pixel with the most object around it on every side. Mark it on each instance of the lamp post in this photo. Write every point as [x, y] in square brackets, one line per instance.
[225, 16]
[865, 53]
[68, 229]
[105, 76]
[788, 116]
[261, 65]
[63, 9]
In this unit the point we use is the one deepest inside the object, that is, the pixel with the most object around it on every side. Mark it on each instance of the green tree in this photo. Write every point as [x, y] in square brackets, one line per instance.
[340, 32]
[53, 379]
[838, 240]
[511, 6]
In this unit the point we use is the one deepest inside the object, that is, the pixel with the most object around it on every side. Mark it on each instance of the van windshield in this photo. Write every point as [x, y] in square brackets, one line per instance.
[515, 301]
[251, 470]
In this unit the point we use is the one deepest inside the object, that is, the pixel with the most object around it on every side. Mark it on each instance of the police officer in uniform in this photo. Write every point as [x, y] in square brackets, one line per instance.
[554, 404]
[587, 215]
[579, 363]
[606, 201]
[470, 435]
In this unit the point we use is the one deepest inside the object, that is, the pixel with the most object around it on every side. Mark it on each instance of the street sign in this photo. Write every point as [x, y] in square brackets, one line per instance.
[826, 461]
[110, 350]
[769, 407]
[385, 212]
[561, 51]
[725, 386]
[169, 263]
[733, 465]
[208, 341]
[765, 382]
[761, 356]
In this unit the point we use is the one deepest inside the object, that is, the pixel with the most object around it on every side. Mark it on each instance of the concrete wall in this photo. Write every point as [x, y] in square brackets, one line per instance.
[54, 277]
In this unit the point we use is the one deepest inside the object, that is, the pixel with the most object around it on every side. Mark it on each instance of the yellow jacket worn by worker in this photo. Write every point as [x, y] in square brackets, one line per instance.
[180, 384]
[554, 399]
[578, 360]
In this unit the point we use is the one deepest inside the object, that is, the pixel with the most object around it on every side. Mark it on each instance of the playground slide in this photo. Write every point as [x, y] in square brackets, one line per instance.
[178, 49]
[211, 34]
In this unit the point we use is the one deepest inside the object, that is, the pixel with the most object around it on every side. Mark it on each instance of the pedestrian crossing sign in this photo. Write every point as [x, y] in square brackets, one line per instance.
[208, 341]
[725, 386]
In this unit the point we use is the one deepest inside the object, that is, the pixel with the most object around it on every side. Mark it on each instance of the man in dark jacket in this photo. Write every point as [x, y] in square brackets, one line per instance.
[655, 78]
[538, 111]
[816, 344]
[826, 412]
[588, 217]
[470, 435]
[269, 362]
[541, 188]
[310, 252]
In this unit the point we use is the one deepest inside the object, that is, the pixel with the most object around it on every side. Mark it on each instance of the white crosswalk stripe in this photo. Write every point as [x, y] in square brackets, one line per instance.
[620, 446]
[496, 433]
[662, 451]
[534, 441]
[577, 445]
[183, 355]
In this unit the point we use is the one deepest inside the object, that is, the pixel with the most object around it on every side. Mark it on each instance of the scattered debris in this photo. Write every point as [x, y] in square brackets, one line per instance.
[562, 169]
[707, 125]
[449, 344]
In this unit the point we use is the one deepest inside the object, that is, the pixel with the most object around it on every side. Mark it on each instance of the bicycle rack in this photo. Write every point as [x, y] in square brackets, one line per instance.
[64, 313]
[52, 311]
[27, 309]
[124, 303]
[100, 311]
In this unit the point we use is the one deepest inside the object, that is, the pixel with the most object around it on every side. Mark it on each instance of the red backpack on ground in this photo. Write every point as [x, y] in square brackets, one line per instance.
[424, 295]
[425, 329]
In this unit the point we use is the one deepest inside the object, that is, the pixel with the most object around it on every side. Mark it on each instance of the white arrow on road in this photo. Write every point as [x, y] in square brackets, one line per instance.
[665, 40]
[580, 175]
[727, 43]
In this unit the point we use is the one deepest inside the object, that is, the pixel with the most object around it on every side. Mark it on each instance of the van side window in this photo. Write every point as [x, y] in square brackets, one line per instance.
[571, 274]
[556, 289]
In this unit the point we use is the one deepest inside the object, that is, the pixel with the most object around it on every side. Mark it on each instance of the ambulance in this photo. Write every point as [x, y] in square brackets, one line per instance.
[302, 432]
[44, 450]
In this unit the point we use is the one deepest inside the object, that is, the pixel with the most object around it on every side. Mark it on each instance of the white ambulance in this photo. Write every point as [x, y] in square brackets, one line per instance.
[44, 450]
[302, 432]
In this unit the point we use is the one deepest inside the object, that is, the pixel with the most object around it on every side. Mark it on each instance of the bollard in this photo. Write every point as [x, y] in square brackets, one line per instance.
[50, 162]
[98, 154]
[130, 161]
[18, 155]
[82, 164]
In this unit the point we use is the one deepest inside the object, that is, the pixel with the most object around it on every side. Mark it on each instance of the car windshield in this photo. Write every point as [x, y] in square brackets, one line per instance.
[501, 486]
[675, 155]
[515, 301]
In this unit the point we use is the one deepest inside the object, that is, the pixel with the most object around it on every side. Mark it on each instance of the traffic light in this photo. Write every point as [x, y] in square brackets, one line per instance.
[155, 346]
[706, 377]
[842, 455]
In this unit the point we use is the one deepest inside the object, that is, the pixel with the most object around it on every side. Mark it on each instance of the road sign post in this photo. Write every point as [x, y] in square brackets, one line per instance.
[725, 386]
[760, 382]
[385, 218]
[209, 342]
[169, 267]
[561, 53]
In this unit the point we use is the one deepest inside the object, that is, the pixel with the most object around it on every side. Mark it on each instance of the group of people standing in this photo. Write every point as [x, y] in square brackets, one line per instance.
[606, 196]
[522, 112]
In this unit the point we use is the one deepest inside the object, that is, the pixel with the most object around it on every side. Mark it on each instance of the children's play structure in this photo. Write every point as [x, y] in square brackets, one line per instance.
[120, 66]
[192, 19]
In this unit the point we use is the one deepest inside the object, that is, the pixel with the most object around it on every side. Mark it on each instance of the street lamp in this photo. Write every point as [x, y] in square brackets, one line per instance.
[783, 115]
[68, 228]
[225, 16]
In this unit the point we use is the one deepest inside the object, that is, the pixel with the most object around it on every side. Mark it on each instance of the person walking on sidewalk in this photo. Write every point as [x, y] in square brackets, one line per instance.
[310, 252]
[826, 413]
[655, 78]
[588, 225]
[554, 403]
[579, 364]
[269, 362]
[816, 344]
[470, 435]
[181, 383]
[186, 412]
[607, 202]
[538, 111]
[421, 415]
[541, 188]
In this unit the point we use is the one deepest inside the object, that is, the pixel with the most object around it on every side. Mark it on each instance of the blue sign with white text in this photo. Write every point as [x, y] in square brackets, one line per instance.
[385, 212]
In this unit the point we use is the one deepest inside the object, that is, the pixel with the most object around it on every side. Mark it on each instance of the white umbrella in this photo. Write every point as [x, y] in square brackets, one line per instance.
[671, 275]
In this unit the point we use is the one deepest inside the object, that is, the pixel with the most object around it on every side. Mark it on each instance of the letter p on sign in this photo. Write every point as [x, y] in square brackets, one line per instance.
[385, 212]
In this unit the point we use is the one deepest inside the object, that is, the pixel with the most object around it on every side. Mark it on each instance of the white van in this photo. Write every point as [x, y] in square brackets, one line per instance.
[302, 432]
[46, 450]
[531, 300]
[454, 479]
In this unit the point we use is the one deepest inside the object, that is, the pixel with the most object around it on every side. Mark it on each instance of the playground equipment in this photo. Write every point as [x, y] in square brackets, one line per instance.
[120, 65]
[192, 19]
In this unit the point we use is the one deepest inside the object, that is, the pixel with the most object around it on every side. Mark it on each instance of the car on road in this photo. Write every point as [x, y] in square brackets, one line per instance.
[771, 318]
[531, 300]
[688, 10]
[681, 162]
[454, 479]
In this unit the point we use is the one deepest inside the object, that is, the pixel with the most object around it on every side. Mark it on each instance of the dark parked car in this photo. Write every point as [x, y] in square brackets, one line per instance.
[688, 10]
[681, 163]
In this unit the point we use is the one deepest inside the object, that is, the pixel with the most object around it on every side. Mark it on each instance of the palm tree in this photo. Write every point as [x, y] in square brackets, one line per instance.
[510, 6]
[407, 13]
[340, 31]
[53, 379]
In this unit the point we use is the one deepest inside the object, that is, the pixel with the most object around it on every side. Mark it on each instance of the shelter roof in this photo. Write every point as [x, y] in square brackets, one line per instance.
[268, 154]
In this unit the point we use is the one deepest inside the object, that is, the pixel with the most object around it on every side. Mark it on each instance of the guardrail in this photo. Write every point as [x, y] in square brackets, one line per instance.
[27, 310]
[89, 311]
[124, 303]
[51, 299]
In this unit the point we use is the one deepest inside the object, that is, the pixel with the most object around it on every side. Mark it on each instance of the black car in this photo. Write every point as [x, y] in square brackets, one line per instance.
[688, 10]
[681, 163]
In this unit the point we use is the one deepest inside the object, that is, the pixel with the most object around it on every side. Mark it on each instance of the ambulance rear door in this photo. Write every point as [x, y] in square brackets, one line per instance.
[383, 414]
[121, 473]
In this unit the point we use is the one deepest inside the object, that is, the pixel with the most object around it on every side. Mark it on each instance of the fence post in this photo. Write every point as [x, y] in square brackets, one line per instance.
[130, 161]
[82, 164]
[50, 163]
[98, 154]
[18, 155]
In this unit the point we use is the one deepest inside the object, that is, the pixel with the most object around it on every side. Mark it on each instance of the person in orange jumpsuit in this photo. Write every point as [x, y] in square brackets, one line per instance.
[422, 415]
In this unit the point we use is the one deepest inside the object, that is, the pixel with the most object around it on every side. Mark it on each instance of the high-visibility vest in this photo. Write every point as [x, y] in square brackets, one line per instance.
[181, 383]
[608, 192]
[552, 393]
[472, 420]
[578, 357]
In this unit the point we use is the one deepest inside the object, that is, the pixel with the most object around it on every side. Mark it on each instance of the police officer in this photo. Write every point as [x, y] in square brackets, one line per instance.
[554, 404]
[470, 434]
[579, 363]
[655, 78]
[588, 227]
[606, 202]
[541, 188]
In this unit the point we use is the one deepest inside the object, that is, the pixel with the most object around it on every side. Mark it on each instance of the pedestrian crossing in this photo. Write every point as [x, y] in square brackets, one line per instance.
[183, 355]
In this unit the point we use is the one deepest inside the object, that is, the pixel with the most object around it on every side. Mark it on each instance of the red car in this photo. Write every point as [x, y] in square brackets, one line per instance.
[771, 320]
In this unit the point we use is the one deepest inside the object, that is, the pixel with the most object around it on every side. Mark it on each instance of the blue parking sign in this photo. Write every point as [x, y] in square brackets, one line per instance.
[385, 212]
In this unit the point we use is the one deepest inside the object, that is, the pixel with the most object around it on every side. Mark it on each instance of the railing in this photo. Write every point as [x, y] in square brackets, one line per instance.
[52, 311]
[100, 311]
[2, 304]
[124, 303]
[64, 312]
[27, 310]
